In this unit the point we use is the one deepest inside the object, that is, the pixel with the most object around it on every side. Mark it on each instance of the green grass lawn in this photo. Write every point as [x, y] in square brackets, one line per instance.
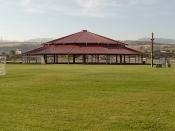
[87, 97]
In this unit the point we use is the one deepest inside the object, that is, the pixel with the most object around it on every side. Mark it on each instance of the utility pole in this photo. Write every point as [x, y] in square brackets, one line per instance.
[152, 50]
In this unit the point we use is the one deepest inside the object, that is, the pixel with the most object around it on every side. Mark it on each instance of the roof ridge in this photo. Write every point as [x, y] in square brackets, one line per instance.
[78, 37]
[108, 38]
[61, 38]
[92, 34]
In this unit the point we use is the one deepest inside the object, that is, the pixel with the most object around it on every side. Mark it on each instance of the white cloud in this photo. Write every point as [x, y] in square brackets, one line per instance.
[97, 8]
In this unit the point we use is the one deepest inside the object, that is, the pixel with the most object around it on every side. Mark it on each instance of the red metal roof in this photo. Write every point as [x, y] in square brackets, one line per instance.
[84, 42]
[83, 49]
[84, 37]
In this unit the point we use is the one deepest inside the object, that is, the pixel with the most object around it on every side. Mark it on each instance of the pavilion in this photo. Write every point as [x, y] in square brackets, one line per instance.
[86, 48]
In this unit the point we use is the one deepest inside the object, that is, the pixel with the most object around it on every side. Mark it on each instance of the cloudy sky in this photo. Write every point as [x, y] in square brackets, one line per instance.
[118, 19]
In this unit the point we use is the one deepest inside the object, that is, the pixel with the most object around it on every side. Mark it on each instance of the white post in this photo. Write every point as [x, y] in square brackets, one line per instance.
[2, 65]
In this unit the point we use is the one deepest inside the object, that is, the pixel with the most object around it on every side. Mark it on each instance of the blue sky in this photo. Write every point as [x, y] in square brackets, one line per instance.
[118, 19]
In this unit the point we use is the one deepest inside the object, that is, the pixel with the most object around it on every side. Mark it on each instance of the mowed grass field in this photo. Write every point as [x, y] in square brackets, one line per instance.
[87, 98]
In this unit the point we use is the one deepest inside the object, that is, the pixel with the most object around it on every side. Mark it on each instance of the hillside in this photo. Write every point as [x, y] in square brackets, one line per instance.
[140, 45]
[24, 46]
[144, 46]
[160, 40]
[6, 46]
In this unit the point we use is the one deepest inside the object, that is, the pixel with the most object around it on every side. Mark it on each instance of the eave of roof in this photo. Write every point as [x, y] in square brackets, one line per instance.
[82, 49]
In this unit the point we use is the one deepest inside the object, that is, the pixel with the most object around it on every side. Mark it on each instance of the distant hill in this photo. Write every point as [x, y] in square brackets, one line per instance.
[160, 40]
[6, 46]
[11, 44]
[23, 46]
[40, 40]
[141, 44]
[145, 46]
[6, 43]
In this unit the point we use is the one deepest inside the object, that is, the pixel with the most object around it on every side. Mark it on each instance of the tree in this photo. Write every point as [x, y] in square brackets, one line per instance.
[3, 53]
[12, 53]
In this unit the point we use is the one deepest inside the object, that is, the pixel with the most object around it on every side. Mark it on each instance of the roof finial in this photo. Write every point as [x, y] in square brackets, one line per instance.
[84, 31]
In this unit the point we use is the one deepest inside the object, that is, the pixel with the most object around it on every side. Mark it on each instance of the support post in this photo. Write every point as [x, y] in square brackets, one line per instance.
[108, 59]
[84, 59]
[57, 59]
[36, 60]
[87, 59]
[141, 59]
[124, 59]
[54, 59]
[29, 59]
[116, 57]
[68, 59]
[73, 59]
[92, 59]
[152, 50]
[121, 59]
[135, 59]
[98, 59]
[46, 59]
